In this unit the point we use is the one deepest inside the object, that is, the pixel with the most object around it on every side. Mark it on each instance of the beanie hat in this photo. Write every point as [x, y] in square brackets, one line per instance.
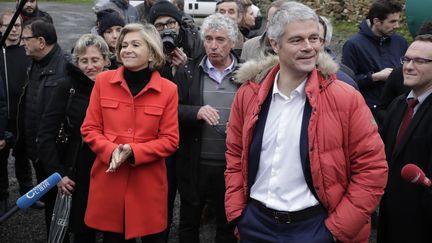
[164, 8]
[108, 18]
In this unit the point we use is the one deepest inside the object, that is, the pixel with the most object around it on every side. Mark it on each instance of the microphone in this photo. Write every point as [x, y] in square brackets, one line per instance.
[28, 199]
[412, 173]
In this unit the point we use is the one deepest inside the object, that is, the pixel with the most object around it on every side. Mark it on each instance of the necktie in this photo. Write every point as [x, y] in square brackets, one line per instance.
[406, 119]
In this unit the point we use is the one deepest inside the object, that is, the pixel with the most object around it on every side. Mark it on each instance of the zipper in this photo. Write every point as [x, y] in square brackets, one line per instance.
[6, 83]
[24, 90]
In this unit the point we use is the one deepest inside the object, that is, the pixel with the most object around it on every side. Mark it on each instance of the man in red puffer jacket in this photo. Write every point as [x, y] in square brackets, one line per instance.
[305, 162]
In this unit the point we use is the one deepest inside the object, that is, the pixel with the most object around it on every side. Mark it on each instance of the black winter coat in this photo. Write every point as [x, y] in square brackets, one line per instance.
[17, 63]
[78, 159]
[405, 213]
[50, 74]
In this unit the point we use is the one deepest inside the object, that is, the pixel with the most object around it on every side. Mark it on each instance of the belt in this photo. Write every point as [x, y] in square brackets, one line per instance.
[285, 217]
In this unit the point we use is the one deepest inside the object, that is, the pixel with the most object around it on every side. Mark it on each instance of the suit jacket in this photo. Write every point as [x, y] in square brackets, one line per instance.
[406, 209]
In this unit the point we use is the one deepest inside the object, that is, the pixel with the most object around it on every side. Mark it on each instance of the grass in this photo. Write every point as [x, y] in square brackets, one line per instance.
[347, 29]
[62, 1]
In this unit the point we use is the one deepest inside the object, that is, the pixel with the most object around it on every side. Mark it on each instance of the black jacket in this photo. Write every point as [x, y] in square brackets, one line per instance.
[189, 82]
[50, 71]
[78, 159]
[37, 13]
[405, 211]
[17, 63]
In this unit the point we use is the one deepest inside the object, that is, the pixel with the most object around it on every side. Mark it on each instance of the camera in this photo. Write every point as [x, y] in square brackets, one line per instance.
[169, 40]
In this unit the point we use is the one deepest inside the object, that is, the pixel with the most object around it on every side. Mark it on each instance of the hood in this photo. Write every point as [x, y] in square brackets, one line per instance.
[122, 4]
[365, 29]
[257, 69]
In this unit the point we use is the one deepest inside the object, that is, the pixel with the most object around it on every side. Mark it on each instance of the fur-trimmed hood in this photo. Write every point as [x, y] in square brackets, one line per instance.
[258, 69]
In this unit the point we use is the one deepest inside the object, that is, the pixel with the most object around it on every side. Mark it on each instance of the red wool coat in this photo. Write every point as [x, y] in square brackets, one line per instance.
[132, 200]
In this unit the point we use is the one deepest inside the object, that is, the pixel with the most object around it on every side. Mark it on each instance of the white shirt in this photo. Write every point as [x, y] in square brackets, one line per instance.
[280, 183]
[420, 99]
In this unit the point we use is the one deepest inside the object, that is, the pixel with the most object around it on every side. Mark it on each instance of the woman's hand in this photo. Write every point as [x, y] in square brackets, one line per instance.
[119, 155]
[66, 185]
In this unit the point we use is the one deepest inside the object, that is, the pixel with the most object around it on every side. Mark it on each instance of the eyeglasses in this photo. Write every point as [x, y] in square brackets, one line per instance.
[16, 25]
[171, 24]
[26, 38]
[416, 60]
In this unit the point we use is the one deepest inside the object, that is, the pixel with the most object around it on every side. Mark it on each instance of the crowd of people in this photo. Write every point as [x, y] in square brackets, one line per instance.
[249, 119]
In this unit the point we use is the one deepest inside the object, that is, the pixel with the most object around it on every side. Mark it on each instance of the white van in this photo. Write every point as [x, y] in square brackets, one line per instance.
[200, 8]
[195, 8]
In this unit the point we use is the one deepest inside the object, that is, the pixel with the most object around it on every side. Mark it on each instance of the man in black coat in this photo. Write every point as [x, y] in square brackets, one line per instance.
[406, 209]
[206, 90]
[186, 42]
[13, 67]
[31, 10]
[46, 71]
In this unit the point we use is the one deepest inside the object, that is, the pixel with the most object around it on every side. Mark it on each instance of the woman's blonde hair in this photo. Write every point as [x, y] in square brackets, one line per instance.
[87, 40]
[151, 37]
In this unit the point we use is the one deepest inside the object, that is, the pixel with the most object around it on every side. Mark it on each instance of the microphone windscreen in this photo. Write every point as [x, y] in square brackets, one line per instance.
[38, 191]
[412, 173]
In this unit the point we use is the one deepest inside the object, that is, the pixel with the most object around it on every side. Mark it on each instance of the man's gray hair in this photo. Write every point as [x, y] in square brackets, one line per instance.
[217, 22]
[287, 13]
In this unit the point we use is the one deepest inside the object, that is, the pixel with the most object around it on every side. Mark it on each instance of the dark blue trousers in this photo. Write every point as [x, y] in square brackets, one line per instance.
[254, 226]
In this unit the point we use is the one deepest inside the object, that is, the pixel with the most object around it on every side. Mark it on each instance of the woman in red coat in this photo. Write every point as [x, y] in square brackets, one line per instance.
[131, 125]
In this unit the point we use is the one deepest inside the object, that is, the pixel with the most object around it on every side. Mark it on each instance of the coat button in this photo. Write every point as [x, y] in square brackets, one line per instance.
[129, 130]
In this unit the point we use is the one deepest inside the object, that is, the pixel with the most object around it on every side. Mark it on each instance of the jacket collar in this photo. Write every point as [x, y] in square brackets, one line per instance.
[366, 30]
[261, 75]
[153, 84]
[257, 70]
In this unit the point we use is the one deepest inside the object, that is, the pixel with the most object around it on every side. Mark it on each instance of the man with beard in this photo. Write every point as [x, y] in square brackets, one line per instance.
[32, 10]
[375, 50]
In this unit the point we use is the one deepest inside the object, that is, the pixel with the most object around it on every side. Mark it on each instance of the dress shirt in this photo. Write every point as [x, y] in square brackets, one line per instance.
[214, 73]
[280, 182]
[420, 99]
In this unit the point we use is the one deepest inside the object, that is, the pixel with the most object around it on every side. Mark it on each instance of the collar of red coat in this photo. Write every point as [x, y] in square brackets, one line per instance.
[154, 83]
[315, 83]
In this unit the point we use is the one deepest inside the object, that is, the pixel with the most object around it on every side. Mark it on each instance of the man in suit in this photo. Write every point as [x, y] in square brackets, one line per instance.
[406, 212]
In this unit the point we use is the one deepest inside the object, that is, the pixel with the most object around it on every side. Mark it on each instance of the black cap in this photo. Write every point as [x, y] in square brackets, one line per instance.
[164, 8]
[108, 18]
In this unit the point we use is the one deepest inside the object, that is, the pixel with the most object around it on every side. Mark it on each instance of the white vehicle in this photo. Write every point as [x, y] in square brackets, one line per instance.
[195, 8]
[135, 3]
[200, 8]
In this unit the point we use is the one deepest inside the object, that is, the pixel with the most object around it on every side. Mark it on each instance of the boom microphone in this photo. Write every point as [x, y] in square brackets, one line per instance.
[28, 199]
[412, 173]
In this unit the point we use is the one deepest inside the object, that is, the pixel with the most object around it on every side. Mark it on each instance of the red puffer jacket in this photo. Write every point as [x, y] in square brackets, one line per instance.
[347, 158]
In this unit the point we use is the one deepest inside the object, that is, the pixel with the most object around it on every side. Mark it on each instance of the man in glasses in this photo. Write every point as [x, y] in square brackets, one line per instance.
[46, 70]
[405, 213]
[305, 162]
[180, 42]
[13, 67]
[373, 52]
[206, 90]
